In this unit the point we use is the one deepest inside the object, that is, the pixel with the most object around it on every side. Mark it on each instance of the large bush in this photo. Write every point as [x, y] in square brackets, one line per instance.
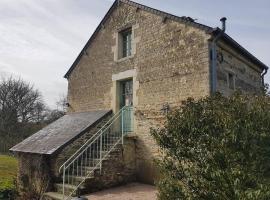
[216, 148]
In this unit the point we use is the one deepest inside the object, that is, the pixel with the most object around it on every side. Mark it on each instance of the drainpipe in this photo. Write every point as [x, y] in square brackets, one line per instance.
[263, 74]
[214, 56]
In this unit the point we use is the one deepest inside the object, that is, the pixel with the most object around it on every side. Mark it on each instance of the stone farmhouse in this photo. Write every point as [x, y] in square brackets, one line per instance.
[139, 64]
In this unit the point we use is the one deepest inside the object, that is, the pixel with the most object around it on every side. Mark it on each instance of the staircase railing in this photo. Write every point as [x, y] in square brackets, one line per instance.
[88, 159]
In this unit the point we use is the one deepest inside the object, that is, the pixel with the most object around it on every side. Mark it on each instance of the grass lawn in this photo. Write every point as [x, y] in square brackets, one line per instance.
[8, 171]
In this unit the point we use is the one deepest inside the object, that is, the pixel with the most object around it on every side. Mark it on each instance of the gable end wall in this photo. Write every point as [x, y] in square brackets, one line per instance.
[171, 61]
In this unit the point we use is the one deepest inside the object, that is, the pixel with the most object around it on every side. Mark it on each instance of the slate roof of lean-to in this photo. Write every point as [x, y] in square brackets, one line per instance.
[59, 133]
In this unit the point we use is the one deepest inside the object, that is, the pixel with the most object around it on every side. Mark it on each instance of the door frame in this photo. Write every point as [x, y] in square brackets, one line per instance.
[115, 91]
[116, 88]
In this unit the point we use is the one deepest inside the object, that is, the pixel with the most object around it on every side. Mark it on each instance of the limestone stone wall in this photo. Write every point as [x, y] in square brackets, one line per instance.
[171, 61]
[246, 74]
[34, 175]
[119, 168]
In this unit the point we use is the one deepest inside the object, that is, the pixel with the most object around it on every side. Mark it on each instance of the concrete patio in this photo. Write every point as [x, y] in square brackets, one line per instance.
[133, 191]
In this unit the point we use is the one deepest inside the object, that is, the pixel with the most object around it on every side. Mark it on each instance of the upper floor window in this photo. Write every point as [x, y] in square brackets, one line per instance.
[231, 81]
[126, 37]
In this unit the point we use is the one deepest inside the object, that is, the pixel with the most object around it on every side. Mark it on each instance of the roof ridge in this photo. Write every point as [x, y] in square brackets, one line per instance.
[185, 20]
[240, 48]
[166, 14]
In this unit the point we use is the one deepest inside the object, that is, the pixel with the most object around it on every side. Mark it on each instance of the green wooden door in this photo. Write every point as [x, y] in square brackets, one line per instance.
[127, 102]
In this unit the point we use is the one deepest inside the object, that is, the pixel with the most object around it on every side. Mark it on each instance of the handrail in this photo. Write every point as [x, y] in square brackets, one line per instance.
[95, 150]
[94, 140]
[109, 121]
[97, 164]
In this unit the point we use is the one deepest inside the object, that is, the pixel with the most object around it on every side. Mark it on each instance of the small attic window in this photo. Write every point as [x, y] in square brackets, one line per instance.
[125, 46]
[231, 81]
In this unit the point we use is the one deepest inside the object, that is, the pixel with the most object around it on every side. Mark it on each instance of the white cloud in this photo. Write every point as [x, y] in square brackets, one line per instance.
[40, 40]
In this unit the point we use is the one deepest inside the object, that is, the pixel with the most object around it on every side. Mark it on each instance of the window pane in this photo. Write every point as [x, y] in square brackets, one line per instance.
[126, 36]
[129, 44]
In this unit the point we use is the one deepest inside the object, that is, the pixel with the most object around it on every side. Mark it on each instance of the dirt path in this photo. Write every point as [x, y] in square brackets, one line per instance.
[133, 191]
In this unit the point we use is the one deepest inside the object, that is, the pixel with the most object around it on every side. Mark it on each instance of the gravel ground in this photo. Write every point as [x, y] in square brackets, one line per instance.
[133, 191]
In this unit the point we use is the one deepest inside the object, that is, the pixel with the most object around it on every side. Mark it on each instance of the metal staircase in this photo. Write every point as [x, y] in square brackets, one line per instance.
[88, 159]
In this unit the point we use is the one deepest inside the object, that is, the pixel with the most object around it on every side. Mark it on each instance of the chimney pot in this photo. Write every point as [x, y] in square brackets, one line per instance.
[223, 21]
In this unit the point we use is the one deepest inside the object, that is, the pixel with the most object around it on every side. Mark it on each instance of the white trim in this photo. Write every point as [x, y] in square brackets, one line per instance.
[123, 75]
[116, 78]
[117, 48]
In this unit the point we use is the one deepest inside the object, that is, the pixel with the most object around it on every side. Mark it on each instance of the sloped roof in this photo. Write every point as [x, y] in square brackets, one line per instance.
[59, 133]
[231, 42]
[184, 19]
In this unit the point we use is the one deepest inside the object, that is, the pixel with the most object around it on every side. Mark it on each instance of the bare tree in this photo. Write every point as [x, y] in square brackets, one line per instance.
[61, 109]
[20, 104]
[62, 103]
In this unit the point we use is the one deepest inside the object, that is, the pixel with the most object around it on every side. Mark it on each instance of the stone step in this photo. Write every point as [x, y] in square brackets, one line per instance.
[96, 161]
[53, 196]
[78, 179]
[82, 168]
[91, 169]
[107, 147]
[68, 189]
[88, 163]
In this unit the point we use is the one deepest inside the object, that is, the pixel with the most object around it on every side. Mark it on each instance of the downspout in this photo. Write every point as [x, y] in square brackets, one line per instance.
[262, 76]
[214, 56]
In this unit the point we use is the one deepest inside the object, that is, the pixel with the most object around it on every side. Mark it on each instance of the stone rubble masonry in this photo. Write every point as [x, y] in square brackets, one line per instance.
[34, 174]
[247, 75]
[118, 169]
[171, 60]
[39, 173]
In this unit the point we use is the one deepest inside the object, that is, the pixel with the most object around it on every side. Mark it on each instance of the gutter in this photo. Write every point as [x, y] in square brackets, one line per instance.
[213, 82]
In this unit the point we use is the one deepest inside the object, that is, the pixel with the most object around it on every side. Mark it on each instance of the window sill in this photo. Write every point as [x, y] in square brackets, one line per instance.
[125, 58]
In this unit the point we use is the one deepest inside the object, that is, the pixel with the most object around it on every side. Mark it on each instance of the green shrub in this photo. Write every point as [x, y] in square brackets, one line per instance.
[7, 189]
[216, 148]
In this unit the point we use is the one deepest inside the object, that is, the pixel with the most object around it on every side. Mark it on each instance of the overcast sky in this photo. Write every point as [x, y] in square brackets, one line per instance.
[40, 39]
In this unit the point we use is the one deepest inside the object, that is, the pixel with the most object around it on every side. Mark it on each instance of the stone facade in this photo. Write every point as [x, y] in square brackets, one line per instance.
[246, 75]
[119, 168]
[34, 175]
[170, 62]
[168, 59]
